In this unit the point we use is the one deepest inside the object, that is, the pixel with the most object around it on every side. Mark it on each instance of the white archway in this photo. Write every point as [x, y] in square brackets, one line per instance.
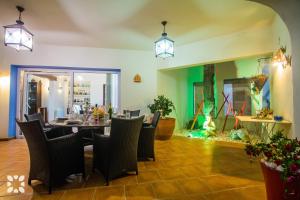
[288, 10]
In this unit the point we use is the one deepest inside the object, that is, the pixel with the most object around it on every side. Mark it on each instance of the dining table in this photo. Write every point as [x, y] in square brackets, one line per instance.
[80, 123]
[92, 125]
[85, 128]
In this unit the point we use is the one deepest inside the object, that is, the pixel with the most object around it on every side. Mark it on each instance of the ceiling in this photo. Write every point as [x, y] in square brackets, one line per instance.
[133, 24]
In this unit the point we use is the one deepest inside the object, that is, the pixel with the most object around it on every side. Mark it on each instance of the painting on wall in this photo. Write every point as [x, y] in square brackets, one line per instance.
[198, 95]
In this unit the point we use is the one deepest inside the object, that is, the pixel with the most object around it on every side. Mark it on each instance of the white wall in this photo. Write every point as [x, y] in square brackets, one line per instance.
[4, 102]
[282, 79]
[133, 95]
[220, 49]
[4, 93]
[173, 85]
[289, 12]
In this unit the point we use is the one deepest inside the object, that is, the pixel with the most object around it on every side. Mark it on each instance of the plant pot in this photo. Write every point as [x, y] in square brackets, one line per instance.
[275, 186]
[165, 128]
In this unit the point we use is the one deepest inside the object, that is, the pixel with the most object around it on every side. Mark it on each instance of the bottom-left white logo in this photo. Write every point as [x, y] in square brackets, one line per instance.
[15, 184]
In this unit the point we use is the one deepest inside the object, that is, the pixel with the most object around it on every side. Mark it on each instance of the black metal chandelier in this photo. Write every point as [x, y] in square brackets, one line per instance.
[17, 36]
[164, 46]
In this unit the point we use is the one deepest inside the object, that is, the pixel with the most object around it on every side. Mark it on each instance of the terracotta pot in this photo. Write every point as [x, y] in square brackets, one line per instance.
[275, 186]
[165, 128]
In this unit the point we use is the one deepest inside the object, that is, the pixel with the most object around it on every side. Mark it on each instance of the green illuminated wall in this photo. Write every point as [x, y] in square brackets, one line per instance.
[177, 84]
[194, 74]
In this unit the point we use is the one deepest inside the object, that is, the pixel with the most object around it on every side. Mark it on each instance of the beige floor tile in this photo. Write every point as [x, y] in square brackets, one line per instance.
[194, 186]
[252, 193]
[56, 195]
[173, 163]
[148, 176]
[140, 191]
[237, 181]
[248, 193]
[110, 193]
[167, 189]
[217, 183]
[188, 197]
[141, 166]
[126, 180]
[225, 195]
[185, 168]
[15, 197]
[194, 171]
[79, 194]
[154, 165]
[169, 174]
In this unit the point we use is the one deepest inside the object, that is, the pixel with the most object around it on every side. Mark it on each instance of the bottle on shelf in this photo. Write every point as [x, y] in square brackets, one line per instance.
[81, 110]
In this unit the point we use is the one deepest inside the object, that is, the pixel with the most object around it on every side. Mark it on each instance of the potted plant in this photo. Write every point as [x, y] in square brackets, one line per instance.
[280, 163]
[166, 124]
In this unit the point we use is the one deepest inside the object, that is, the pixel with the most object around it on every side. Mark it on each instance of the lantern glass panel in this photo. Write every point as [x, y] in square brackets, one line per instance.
[26, 39]
[18, 37]
[160, 47]
[164, 47]
[12, 35]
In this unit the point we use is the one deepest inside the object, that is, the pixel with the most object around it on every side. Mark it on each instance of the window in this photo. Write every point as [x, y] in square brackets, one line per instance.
[239, 96]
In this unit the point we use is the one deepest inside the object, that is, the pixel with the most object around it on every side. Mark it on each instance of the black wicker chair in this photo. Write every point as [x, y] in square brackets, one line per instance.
[37, 116]
[49, 130]
[116, 154]
[51, 161]
[147, 138]
[132, 113]
[87, 134]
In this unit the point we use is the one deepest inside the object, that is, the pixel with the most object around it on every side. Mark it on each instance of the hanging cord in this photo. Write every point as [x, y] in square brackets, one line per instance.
[20, 9]
[20, 16]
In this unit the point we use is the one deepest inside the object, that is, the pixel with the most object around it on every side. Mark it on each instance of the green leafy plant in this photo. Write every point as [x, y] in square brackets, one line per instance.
[162, 104]
[280, 153]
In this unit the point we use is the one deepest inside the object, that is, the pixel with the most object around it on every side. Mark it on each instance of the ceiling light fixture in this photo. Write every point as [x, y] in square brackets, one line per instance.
[164, 46]
[17, 36]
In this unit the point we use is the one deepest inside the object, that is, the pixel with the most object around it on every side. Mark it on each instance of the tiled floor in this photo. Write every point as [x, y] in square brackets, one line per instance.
[185, 169]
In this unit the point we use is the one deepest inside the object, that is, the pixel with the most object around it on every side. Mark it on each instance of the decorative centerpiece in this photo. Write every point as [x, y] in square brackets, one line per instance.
[166, 124]
[98, 113]
[280, 163]
[265, 113]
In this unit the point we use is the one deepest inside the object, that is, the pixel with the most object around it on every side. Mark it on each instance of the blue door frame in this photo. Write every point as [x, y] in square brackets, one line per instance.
[13, 96]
